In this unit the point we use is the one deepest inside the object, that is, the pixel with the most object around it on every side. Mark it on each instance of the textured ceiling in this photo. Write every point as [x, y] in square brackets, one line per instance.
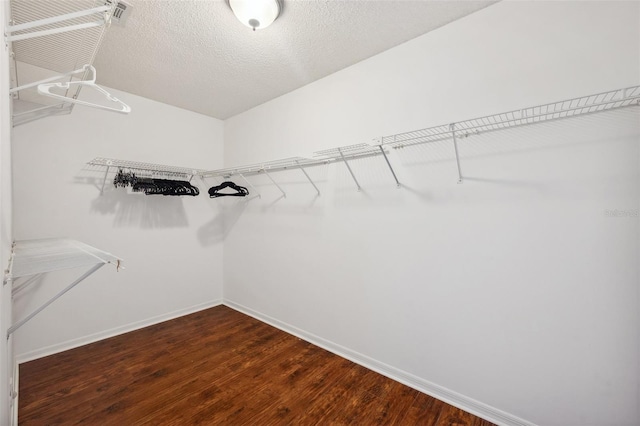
[196, 55]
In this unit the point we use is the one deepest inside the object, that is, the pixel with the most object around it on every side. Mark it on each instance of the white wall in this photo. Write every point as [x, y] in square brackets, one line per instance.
[6, 360]
[171, 246]
[514, 289]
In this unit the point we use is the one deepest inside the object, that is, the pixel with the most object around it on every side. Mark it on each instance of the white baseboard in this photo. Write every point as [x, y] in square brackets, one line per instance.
[74, 343]
[465, 403]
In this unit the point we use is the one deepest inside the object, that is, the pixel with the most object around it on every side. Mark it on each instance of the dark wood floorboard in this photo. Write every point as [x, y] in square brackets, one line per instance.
[217, 366]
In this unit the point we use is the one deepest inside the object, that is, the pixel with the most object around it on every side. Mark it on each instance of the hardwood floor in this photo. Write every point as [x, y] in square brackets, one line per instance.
[217, 366]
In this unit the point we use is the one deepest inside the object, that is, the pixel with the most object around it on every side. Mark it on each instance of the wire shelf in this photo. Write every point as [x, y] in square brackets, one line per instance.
[42, 46]
[32, 257]
[269, 166]
[348, 152]
[57, 52]
[590, 104]
[145, 167]
[600, 102]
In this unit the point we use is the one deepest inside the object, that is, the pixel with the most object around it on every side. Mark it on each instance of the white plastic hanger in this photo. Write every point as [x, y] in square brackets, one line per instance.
[44, 89]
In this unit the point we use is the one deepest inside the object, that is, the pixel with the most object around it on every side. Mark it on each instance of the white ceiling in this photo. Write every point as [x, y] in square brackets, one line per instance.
[196, 55]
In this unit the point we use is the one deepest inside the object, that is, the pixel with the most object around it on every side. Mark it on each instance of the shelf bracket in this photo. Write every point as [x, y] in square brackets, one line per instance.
[384, 154]
[104, 180]
[250, 186]
[24, 320]
[307, 176]
[17, 289]
[8, 273]
[274, 182]
[452, 126]
[47, 21]
[346, 163]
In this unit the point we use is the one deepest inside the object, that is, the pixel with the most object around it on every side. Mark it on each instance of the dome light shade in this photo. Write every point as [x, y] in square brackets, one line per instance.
[256, 14]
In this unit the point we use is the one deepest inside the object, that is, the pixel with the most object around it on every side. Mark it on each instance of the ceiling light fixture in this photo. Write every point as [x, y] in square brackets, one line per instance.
[256, 13]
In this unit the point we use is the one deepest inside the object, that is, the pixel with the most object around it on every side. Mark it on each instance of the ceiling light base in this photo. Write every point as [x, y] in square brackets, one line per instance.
[256, 14]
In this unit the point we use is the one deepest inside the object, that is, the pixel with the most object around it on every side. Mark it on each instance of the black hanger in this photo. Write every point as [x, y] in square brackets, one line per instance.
[241, 191]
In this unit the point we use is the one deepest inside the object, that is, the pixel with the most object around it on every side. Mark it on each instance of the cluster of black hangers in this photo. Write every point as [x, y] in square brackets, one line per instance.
[151, 186]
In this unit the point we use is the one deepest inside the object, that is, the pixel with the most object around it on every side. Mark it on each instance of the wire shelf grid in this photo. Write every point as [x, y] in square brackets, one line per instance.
[63, 51]
[149, 168]
[32, 257]
[579, 106]
[349, 151]
[52, 46]
[290, 163]
[589, 104]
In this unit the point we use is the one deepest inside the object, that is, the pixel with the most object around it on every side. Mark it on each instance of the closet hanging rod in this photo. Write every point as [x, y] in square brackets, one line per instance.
[48, 80]
[61, 104]
[292, 163]
[10, 29]
[321, 158]
[45, 89]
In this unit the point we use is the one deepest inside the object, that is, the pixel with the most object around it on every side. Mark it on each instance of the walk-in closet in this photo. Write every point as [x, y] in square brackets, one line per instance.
[301, 212]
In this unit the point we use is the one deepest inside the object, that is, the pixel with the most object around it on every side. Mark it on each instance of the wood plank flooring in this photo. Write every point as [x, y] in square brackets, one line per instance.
[217, 366]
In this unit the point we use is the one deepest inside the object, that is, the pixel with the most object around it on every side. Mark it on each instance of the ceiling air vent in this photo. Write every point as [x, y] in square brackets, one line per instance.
[120, 13]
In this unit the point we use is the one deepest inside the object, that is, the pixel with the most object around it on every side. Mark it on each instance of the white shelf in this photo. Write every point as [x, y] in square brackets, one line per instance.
[569, 108]
[49, 38]
[150, 168]
[348, 152]
[269, 166]
[32, 258]
[590, 104]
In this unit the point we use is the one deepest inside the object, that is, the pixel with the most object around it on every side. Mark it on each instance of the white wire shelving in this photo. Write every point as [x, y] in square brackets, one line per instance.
[580, 106]
[149, 169]
[266, 168]
[584, 105]
[54, 36]
[342, 154]
[32, 258]
[351, 152]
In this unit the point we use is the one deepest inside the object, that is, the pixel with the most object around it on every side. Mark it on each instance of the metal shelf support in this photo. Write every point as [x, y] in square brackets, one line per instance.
[104, 181]
[251, 186]
[284, 194]
[452, 126]
[24, 320]
[346, 163]
[384, 154]
[307, 176]
[17, 289]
